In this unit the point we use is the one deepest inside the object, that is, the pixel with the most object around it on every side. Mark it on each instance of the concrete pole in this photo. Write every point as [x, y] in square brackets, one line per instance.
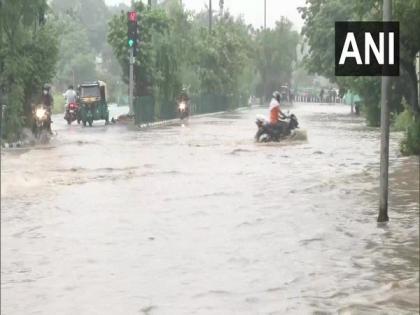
[265, 14]
[385, 97]
[210, 16]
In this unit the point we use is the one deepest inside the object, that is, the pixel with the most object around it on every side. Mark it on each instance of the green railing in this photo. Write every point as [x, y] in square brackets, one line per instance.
[146, 109]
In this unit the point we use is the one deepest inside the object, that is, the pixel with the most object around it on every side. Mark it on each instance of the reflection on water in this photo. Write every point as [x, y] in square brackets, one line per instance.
[201, 220]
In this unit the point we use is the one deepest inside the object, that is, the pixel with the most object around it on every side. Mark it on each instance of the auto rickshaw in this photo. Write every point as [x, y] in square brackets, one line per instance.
[92, 102]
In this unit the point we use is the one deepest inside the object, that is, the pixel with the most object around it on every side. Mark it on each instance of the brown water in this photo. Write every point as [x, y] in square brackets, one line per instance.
[201, 220]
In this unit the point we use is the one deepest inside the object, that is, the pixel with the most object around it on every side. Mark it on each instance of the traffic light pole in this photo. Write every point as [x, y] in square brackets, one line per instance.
[131, 83]
[265, 14]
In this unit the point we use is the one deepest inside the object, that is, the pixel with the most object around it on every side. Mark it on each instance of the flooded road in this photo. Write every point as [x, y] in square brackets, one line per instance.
[201, 220]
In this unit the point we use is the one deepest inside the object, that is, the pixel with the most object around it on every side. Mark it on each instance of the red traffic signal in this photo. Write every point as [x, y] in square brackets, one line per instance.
[132, 30]
[132, 16]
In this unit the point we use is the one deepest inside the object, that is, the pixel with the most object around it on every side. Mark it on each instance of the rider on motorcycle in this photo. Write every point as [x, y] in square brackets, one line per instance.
[48, 101]
[184, 98]
[70, 96]
[276, 113]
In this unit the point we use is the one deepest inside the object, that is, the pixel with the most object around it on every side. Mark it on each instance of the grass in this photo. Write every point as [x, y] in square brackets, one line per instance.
[59, 103]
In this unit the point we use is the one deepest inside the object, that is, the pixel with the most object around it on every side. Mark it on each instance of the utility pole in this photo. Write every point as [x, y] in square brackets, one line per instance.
[210, 16]
[265, 14]
[385, 97]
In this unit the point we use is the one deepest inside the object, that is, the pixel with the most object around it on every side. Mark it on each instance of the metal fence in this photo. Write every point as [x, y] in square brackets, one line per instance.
[147, 109]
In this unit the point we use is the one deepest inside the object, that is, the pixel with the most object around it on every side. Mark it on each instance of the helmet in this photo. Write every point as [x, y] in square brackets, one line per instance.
[276, 95]
[70, 87]
[46, 89]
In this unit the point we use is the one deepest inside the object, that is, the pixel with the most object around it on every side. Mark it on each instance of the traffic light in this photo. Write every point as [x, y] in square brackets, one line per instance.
[132, 30]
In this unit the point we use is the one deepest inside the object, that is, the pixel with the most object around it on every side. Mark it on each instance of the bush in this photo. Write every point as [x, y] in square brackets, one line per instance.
[59, 103]
[410, 145]
[373, 115]
[402, 120]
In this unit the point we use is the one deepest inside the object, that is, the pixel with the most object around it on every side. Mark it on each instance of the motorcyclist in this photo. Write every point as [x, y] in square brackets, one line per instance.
[70, 95]
[48, 101]
[275, 111]
[183, 97]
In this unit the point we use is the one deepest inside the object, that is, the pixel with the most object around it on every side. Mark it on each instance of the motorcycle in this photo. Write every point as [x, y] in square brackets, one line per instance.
[183, 110]
[72, 113]
[41, 123]
[269, 133]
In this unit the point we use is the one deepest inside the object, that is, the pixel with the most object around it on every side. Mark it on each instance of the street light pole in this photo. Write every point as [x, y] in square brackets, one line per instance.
[210, 16]
[385, 98]
[265, 14]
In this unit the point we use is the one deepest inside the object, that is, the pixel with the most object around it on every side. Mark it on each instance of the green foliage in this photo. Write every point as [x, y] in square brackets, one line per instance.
[83, 42]
[151, 25]
[178, 50]
[410, 145]
[222, 57]
[28, 54]
[320, 15]
[77, 58]
[402, 120]
[91, 15]
[59, 103]
[407, 123]
[275, 56]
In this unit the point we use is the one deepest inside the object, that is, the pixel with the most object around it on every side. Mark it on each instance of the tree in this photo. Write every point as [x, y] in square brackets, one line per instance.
[222, 56]
[151, 24]
[276, 55]
[178, 50]
[76, 57]
[319, 16]
[91, 14]
[28, 53]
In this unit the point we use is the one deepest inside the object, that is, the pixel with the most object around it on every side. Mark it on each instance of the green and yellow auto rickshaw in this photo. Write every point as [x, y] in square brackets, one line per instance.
[92, 102]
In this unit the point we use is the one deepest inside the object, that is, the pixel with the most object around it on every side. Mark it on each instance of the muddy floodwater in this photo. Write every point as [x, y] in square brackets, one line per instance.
[201, 220]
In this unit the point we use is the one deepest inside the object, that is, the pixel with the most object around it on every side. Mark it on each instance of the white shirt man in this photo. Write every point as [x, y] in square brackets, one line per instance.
[70, 95]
